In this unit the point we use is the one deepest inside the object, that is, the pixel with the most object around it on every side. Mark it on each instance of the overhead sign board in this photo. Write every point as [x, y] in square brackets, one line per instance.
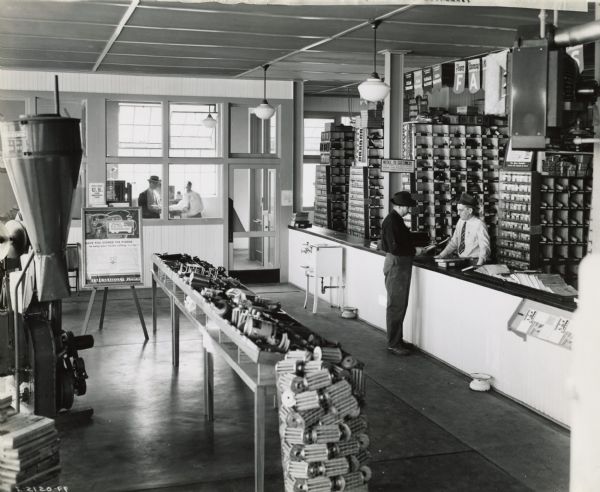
[398, 165]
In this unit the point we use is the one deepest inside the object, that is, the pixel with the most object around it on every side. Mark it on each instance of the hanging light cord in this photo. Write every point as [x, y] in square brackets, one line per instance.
[349, 103]
[375, 25]
[266, 67]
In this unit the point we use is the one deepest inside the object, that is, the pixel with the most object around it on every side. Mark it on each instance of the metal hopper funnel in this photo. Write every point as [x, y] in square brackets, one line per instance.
[42, 155]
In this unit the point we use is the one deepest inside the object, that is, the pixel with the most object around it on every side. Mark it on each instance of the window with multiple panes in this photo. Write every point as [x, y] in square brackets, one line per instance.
[188, 136]
[135, 130]
[139, 129]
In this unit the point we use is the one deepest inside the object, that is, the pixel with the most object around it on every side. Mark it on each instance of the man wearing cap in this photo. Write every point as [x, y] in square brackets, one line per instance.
[397, 269]
[150, 200]
[470, 238]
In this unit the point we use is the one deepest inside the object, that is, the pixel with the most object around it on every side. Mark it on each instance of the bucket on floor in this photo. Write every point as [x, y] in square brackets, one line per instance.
[349, 312]
[481, 381]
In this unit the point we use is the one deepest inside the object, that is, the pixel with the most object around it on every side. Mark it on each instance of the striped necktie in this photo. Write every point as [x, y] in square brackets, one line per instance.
[461, 245]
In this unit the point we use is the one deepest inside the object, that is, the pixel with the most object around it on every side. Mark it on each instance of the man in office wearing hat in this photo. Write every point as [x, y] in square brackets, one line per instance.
[470, 238]
[397, 269]
[150, 199]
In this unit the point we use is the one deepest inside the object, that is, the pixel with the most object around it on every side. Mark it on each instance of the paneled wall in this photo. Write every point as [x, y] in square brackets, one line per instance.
[324, 104]
[206, 238]
[461, 323]
[204, 241]
[19, 80]
[361, 268]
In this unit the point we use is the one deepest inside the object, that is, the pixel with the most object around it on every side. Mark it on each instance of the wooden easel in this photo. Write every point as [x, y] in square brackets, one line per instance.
[91, 305]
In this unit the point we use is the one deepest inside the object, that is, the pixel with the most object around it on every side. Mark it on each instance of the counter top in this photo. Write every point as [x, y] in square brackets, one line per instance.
[340, 237]
[428, 263]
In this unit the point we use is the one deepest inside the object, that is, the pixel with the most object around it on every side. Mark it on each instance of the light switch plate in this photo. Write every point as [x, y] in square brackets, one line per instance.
[287, 198]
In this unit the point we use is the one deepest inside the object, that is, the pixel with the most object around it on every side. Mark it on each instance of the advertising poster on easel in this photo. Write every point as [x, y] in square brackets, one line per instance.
[112, 247]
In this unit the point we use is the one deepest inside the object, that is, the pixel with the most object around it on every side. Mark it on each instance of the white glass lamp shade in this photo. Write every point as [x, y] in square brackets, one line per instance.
[209, 121]
[373, 89]
[264, 111]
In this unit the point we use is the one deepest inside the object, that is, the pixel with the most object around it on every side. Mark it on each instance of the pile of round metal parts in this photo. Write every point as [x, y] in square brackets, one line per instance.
[323, 431]
[321, 388]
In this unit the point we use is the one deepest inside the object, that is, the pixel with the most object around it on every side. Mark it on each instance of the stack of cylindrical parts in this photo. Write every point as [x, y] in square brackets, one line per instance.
[323, 431]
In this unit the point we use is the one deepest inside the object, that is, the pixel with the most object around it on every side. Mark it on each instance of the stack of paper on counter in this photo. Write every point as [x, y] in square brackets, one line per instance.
[29, 452]
[553, 282]
[526, 279]
[497, 270]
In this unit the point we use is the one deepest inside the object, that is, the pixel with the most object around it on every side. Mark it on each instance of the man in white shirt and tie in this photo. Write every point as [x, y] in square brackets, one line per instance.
[470, 238]
[190, 205]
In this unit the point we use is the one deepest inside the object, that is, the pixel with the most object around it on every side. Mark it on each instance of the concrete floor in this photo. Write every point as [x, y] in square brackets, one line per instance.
[428, 431]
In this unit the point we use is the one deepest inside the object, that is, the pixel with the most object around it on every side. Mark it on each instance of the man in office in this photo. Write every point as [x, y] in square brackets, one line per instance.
[150, 199]
[470, 238]
[190, 205]
[397, 269]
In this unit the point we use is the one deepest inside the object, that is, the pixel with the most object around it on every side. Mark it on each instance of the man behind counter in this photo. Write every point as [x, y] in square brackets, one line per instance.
[397, 269]
[470, 238]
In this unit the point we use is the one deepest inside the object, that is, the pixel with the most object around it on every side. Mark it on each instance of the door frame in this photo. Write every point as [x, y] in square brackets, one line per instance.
[275, 235]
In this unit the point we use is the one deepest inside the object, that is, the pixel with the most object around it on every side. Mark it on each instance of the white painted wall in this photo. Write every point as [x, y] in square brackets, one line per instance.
[358, 266]
[465, 325]
[95, 89]
[461, 323]
[331, 104]
[584, 395]
[204, 241]
[22, 80]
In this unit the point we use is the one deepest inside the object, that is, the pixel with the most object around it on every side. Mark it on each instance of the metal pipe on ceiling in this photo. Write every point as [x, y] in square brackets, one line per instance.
[585, 33]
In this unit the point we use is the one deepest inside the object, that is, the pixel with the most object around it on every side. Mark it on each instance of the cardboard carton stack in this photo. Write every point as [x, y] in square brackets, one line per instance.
[29, 452]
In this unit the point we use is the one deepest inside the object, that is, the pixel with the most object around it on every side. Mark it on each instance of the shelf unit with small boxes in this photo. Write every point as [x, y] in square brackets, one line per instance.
[331, 187]
[333, 177]
[565, 204]
[364, 202]
[452, 159]
[519, 219]
[545, 216]
[365, 205]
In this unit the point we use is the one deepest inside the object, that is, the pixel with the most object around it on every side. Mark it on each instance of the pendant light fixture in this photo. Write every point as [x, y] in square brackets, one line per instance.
[264, 110]
[374, 89]
[209, 121]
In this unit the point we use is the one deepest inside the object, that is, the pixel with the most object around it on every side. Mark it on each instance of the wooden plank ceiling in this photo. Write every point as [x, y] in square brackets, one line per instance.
[329, 47]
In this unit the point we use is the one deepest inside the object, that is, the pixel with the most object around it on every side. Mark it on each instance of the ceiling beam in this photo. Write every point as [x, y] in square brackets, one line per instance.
[330, 38]
[337, 88]
[250, 13]
[128, 13]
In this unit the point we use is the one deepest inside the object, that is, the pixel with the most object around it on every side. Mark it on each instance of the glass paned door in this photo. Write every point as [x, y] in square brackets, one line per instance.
[253, 216]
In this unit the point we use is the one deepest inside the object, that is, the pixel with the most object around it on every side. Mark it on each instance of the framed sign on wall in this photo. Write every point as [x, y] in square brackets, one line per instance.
[112, 247]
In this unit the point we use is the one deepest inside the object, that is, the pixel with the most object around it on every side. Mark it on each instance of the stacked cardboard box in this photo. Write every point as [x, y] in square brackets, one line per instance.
[29, 452]
[332, 177]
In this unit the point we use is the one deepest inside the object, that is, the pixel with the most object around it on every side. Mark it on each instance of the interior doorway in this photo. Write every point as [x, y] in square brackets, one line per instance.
[253, 232]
